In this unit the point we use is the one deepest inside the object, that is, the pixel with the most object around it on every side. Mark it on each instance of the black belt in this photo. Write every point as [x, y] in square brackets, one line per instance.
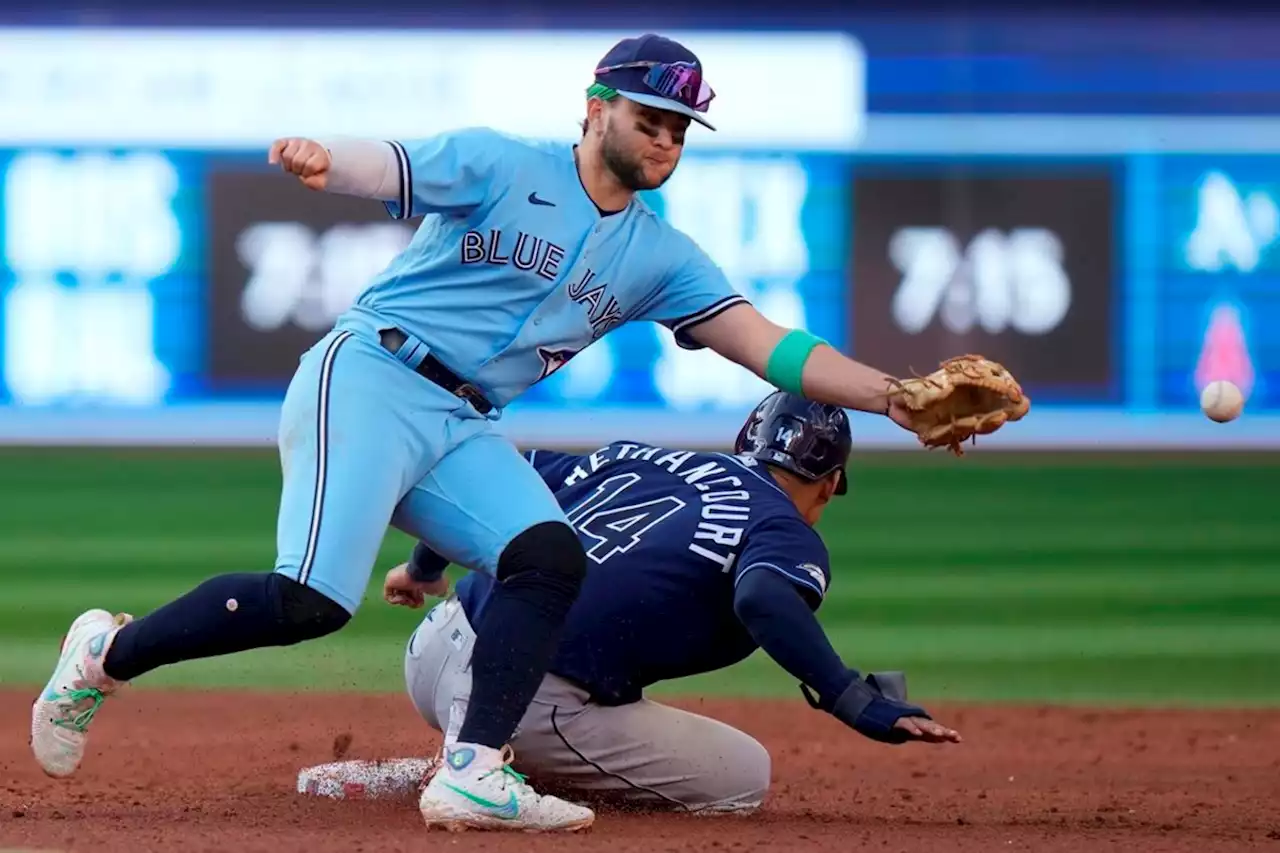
[430, 368]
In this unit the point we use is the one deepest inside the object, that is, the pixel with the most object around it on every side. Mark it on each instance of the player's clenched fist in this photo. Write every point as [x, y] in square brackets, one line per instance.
[305, 158]
[400, 588]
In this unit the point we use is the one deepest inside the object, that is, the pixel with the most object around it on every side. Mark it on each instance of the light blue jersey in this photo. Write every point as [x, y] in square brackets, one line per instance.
[514, 270]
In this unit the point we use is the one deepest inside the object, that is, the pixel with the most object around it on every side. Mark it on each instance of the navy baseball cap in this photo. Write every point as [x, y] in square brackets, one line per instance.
[657, 72]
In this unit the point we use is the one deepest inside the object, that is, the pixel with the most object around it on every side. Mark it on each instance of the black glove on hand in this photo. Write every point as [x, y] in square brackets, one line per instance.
[871, 706]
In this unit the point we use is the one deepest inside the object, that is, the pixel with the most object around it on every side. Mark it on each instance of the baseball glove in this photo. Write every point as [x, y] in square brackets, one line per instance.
[965, 397]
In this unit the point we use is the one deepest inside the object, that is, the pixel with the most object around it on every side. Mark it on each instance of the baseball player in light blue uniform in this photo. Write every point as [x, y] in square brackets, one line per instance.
[527, 253]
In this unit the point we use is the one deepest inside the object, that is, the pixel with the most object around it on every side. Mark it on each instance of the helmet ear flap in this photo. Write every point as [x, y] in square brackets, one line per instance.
[747, 435]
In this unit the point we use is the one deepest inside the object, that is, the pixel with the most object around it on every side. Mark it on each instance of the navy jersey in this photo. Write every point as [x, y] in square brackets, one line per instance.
[668, 534]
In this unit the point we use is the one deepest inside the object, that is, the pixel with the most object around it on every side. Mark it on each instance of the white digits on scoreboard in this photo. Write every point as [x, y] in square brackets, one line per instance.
[104, 224]
[91, 214]
[1230, 229]
[999, 281]
[308, 279]
[90, 342]
[746, 215]
[278, 257]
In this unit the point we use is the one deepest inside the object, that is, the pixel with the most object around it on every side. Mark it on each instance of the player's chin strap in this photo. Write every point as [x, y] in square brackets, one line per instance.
[872, 705]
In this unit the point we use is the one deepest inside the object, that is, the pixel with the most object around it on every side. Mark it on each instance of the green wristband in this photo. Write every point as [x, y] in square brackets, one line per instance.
[785, 368]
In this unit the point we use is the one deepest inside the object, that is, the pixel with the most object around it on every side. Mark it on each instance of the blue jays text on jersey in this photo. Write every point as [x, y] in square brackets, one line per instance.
[511, 272]
[669, 533]
[514, 269]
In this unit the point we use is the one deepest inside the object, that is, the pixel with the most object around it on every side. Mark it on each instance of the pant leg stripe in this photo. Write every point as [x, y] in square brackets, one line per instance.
[555, 727]
[322, 455]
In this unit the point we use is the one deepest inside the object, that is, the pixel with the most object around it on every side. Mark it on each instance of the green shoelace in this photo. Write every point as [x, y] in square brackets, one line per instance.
[81, 721]
[508, 770]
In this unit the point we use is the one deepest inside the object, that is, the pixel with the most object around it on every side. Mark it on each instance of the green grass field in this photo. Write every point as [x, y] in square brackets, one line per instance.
[1066, 578]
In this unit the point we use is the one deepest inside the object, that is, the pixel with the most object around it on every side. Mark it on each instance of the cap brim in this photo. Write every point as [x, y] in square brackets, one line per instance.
[660, 103]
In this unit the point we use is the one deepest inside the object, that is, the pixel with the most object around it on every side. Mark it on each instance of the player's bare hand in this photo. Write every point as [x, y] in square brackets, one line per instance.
[923, 729]
[307, 159]
[402, 590]
[900, 414]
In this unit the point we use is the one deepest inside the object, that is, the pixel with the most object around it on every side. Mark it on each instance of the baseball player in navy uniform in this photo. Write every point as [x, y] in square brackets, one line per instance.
[697, 560]
[527, 252]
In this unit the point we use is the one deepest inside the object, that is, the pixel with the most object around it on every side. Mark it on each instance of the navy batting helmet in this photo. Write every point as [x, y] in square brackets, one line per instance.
[806, 438]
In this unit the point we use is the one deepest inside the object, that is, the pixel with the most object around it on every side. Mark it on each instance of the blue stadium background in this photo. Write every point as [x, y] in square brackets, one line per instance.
[1102, 188]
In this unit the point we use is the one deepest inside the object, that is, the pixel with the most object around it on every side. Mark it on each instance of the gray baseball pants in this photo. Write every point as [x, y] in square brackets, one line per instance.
[644, 754]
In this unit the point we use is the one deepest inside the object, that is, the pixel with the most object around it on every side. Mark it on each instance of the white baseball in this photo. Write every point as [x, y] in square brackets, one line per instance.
[1221, 401]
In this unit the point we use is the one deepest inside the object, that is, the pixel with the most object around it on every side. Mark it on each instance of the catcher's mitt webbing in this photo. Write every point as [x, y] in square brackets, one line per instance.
[965, 397]
[785, 368]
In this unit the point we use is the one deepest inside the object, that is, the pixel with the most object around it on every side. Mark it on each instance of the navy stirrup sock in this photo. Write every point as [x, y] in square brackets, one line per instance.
[224, 615]
[515, 642]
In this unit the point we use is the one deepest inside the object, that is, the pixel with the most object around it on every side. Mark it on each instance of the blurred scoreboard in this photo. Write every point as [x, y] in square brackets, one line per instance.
[1217, 278]
[145, 277]
[1012, 260]
[1129, 280]
[152, 264]
[139, 276]
[151, 258]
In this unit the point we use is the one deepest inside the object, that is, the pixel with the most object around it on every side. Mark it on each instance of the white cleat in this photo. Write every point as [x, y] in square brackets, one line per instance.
[61, 714]
[475, 788]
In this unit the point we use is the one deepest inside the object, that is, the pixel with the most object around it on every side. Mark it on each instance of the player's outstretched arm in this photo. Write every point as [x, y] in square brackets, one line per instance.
[795, 361]
[781, 621]
[358, 167]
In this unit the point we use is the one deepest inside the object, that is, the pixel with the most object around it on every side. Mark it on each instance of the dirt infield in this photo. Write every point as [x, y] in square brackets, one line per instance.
[205, 771]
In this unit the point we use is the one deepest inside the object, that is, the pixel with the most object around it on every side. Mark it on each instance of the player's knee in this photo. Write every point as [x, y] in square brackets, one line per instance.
[744, 781]
[306, 613]
[547, 549]
[757, 772]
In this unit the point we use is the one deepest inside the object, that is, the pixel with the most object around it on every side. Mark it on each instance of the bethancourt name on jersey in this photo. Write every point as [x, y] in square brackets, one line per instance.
[726, 505]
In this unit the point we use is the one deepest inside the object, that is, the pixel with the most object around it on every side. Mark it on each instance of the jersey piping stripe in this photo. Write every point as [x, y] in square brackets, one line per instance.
[706, 314]
[406, 180]
[809, 582]
[322, 455]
